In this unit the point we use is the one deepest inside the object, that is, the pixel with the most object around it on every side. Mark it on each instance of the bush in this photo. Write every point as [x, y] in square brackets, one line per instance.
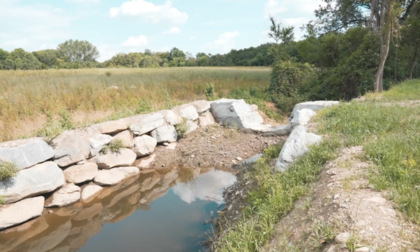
[182, 128]
[7, 170]
[287, 76]
[209, 91]
[114, 146]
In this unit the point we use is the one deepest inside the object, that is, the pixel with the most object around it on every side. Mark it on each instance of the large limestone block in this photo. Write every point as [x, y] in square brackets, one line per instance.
[124, 157]
[206, 119]
[314, 105]
[147, 123]
[39, 179]
[144, 145]
[97, 142]
[126, 138]
[80, 173]
[19, 212]
[90, 191]
[302, 117]
[166, 133]
[295, 146]
[187, 111]
[71, 147]
[171, 117]
[281, 130]
[235, 113]
[111, 127]
[66, 195]
[201, 106]
[115, 176]
[191, 127]
[26, 152]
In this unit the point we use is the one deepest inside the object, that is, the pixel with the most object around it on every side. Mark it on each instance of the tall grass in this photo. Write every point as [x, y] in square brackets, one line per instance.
[29, 94]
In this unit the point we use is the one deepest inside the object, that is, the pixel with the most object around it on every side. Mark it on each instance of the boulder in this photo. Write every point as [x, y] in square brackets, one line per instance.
[146, 123]
[89, 191]
[81, 173]
[19, 212]
[71, 147]
[126, 138]
[166, 133]
[124, 157]
[171, 117]
[97, 142]
[295, 146]
[187, 111]
[201, 106]
[144, 163]
[66, 195]
[39, 179]
[115, 176]
[206, 119]
[111, 127]
[235, 113]
[314, 105]
[302, 117]
[281, 130]
[26, 152]
[144, 145]
[191, 126]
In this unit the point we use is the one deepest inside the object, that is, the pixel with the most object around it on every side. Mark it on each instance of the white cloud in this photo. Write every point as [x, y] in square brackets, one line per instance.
[173, 30]
[149, 11]
[224, 43]
[136, 41]
[274, 7]
[192, 37]
[29, 27]
[85, 1]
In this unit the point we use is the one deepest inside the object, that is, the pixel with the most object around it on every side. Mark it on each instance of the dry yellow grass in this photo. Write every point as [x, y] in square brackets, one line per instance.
[96, 94]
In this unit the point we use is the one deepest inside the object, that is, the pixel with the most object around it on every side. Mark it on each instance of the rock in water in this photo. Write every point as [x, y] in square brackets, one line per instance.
[19, 212]
[66, 195]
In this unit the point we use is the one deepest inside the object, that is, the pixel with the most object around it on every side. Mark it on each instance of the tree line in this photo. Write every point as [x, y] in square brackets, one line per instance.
[83, 54]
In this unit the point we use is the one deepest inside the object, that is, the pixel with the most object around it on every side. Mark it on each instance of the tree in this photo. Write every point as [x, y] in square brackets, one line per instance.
[285, 35]
[22, 60]
[3, 57]
[80, 52]
[48, 57]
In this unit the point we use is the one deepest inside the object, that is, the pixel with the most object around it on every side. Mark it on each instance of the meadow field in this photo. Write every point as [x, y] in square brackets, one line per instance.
[33, 100]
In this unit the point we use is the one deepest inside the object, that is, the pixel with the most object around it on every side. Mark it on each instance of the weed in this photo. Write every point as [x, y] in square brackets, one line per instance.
[323, 234]
[143, 107]
[108, 73]
[209, 92]
[52, 127]
[7, 170]
[114, 146]
[351, 243]
[2, 200]
[182, 128]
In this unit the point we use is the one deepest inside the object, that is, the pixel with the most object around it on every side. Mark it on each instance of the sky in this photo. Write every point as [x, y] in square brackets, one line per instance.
[123, 26]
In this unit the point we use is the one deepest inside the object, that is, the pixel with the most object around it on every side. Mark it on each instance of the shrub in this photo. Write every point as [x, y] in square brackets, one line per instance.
[288, 76]
[209, 91]
[182, 128]
[143, 107]
[7, 170]
[114, 146]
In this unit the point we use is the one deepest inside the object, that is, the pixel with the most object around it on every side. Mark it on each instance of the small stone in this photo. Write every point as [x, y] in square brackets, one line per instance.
[239, 158]
[342, 237]
[363, 249]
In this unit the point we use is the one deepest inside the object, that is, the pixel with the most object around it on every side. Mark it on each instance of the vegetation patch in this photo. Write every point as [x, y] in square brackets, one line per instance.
[182, 128]
[7, 170]
[114, 146]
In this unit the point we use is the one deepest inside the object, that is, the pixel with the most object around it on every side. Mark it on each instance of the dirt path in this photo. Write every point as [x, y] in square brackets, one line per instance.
[345, 213]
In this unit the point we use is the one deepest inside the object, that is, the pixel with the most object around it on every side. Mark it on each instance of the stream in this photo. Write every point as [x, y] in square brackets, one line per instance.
[161, 210]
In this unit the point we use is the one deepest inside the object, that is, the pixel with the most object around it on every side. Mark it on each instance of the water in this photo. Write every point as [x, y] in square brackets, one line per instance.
[167, 210]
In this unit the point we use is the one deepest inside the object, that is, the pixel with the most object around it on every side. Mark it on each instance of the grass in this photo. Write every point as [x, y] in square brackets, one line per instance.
[7, 170]
[273, 197]
[390, 136]
[182, 128]
[26, 96]
[114, 146]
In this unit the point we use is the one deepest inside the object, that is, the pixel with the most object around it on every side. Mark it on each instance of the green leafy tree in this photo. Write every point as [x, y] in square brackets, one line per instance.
[3, 57]
[78, 52]
[48, 57]
[22, 60]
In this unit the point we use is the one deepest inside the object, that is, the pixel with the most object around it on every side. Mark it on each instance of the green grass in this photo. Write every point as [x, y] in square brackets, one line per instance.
[114, 146]
[390, 136]
[273, 197]
[27, 95]
[7, 170]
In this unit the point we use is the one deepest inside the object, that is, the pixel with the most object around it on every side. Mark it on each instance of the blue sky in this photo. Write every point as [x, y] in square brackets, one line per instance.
[209, 26]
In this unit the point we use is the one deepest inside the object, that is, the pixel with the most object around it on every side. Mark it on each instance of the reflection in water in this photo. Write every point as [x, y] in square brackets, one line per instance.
[140, 214]
[208, 186]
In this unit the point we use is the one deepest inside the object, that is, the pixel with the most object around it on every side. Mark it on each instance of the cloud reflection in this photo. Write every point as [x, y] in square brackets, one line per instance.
[208, 186]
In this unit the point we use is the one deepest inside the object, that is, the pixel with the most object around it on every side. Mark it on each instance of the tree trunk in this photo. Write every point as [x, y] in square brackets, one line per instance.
[384, 33]
[413, 62]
